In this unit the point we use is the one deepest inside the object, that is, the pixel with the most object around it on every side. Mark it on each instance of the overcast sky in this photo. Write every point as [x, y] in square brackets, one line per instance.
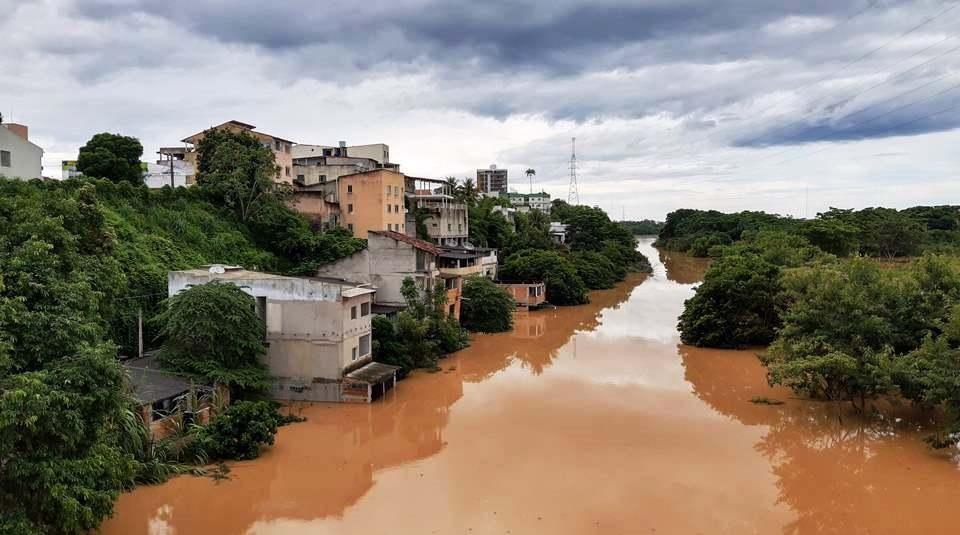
[726, 104]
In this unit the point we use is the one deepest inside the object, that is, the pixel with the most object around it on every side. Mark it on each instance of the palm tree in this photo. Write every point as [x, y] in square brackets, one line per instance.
[530, 172]
[452, 184]
[468, 191]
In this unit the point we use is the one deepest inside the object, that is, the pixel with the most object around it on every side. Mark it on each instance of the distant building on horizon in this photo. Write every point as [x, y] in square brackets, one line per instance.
[492, 180]
[527, 202]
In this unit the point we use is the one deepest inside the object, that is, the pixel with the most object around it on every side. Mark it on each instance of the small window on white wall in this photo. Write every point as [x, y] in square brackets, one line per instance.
[364, 346]
[353, 356]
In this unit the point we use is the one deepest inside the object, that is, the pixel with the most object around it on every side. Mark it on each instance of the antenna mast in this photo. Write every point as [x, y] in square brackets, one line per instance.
[573, 195]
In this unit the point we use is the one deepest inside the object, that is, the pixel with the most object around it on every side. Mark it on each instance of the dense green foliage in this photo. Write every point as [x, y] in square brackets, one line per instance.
[212, 332]
[564, 286]
[113, 157]
[240, 431]
[646, 227]
[735, 306]
[855, 332]
[78, 260]
[420, 335]
[489, 228]
[486, 307]
[879, 232]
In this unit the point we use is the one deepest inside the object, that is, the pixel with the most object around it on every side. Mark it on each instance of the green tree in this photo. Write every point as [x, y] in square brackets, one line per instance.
[113, 157]
[596, 270]
[832, 235]
[564, 286]
[238, 172]
[486, 307]
[736, 305]
[212, 332]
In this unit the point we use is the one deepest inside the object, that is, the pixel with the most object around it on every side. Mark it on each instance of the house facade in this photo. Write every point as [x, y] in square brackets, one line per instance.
[527, 202]
[318, 331]
[391, 257]
[19, 157]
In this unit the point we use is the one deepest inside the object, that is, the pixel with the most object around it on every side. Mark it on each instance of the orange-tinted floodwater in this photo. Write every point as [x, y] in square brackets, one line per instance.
[590, 419]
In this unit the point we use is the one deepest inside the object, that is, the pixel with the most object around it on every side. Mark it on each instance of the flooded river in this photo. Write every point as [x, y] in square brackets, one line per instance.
[590, 419]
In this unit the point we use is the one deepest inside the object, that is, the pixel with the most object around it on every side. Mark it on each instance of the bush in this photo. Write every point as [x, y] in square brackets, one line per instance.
[240, 431]
[737, 304]
[486, 307]
[564, 286]
[596, 270]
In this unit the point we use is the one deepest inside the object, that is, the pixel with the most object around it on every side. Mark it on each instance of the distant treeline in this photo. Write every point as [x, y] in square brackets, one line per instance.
[877, 232]
[645, 227]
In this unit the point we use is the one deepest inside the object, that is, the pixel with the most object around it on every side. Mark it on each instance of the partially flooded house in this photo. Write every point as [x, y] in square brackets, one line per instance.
[165, 397]
[318, 333]
[526, 294]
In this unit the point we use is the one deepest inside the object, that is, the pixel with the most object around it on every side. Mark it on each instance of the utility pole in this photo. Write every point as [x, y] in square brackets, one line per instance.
[573, 195]
[140, 332]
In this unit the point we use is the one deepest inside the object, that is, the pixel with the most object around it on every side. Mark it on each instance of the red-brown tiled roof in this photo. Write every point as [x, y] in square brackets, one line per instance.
[416, 242]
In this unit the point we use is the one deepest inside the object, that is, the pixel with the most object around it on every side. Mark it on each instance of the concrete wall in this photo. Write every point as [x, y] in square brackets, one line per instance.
[376, 151]
[25, 157]
[318, 210]
[365, 204]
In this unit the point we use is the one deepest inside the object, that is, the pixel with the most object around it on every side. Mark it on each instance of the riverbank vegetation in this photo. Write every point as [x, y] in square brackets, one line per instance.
[486, 307]
[79, 260]
[646, 227]
[840, 326]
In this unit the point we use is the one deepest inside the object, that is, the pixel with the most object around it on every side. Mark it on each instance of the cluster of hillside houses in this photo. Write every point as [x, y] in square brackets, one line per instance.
[318, 328]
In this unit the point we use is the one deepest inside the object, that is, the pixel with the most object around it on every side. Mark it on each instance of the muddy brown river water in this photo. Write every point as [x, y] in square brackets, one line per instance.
[590, 419]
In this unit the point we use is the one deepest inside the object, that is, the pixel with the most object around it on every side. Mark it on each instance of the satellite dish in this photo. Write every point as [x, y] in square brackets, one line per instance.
[217, 270]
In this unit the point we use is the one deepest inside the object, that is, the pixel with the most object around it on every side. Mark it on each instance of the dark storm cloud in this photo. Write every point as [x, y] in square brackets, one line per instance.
[502, 58]
[560, 37]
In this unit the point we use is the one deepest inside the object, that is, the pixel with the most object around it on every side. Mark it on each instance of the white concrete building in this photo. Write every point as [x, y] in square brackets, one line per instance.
[19, 158]
[526, 202]
[171, 173]
[379, 152]
[318, 331]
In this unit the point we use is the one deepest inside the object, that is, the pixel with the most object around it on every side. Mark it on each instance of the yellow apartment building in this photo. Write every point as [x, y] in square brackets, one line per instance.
[372, 200]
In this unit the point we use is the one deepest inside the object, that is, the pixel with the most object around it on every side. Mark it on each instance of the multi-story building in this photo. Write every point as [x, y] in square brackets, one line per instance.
[19, 158]
[492, 180]
[467, 262]
[318, 331]
[389, 258]
[527, 202]
[281, 148]
[372, 200]
[445, 218]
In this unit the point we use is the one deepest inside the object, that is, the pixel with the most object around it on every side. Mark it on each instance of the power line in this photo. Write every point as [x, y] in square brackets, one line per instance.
[900, 125]
[879, 84]
[913, 29]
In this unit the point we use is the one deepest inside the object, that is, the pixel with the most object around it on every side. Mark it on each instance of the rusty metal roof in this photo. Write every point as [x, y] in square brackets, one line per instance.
[423, 245]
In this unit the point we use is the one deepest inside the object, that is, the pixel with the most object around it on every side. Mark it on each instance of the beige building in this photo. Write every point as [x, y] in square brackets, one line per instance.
[391, 257]
[318, 331]
[19, 158]
[447, 220]
[377, 152]
[282, 150]
[467, 262]
[372, 200]
[527, 295]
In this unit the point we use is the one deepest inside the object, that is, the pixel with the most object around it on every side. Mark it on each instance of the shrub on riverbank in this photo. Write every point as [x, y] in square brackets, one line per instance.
[486, 307]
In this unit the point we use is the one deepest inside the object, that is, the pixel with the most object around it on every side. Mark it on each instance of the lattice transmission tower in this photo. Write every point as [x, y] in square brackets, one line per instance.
[573, 195]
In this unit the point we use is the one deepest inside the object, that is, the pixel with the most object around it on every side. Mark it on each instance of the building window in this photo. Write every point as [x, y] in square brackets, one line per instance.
[389, 208]
[349, 208]
[353, 312]
[5, 158]
[365, 345]
[388, 190]
[350, 227]
[421, 260]
[323, 178]
[354, 355]
[365, 309]
[449, 227]
[300, 178]
[396, 208]
[286, 170]
[453, 310]
[460, 228]
[350, 188]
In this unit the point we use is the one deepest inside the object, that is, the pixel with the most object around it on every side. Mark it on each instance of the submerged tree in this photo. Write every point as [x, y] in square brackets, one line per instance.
[486, 307]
